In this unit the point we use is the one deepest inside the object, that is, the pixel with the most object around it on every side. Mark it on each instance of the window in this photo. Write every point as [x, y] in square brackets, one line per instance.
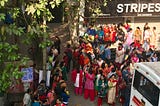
[146, 88]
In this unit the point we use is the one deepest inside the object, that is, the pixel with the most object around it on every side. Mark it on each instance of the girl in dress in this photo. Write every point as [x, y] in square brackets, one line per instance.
[65, 96]
[78, 83]
[89, 85]
[102, 89]
[96, 83]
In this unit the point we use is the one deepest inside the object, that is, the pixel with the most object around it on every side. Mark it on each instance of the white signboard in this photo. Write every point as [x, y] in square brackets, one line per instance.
[28, 74]
[40, 75]
[132, 8]
[48, 78]
[137, 7]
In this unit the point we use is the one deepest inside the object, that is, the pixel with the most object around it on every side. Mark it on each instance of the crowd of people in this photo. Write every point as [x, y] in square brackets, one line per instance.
[96, 72]
[55, 92]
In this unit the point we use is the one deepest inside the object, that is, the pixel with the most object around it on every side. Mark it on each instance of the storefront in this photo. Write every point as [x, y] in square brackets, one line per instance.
[137, 12]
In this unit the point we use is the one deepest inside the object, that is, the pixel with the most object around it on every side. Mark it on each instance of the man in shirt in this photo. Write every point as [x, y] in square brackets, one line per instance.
[27, 98]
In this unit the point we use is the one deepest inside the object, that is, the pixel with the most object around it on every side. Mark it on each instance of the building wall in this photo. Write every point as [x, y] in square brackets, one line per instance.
[152, 22]
[135, 21]
[111, 20]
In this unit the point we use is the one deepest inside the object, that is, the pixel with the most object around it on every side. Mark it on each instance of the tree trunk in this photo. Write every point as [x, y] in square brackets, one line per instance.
[44, 51]
[74, 22]
[81, 28]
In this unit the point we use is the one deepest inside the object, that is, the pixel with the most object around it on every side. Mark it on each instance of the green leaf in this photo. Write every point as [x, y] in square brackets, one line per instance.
[52, 4]
[38, 12]
[30, 9]
[2, 16]
[2, 3]
[105, 4]
[2, 30]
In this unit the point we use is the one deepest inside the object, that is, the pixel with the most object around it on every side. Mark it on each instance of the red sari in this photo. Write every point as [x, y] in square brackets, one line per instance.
[113, 36]
[73, 75]
[106, 34]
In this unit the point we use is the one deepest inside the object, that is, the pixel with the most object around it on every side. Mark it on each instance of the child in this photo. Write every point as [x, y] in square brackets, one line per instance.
[73, 74]
[65, 96]
[97, 78]
[78, 83]
[89, 85]
[51, 96]
[102, 91]
[27, 98]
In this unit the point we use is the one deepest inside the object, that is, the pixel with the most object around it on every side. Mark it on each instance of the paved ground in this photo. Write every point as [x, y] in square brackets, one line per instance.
[74, 100]
[77, 100]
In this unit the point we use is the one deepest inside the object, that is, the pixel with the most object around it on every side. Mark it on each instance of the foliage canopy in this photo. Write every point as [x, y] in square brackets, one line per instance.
[26, 20]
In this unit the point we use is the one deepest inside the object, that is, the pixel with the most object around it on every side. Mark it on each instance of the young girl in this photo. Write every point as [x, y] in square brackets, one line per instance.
[51, 96]
[78, 83]
[65, 96]
[89, 85]
[73, 74]
[102, 91]
[135, 58]
[97, 78]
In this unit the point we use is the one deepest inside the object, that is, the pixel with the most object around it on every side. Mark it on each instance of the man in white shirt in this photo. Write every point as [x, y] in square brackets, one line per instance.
[27, 98]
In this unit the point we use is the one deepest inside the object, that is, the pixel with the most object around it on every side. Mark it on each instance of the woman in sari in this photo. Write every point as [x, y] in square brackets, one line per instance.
[112, 82]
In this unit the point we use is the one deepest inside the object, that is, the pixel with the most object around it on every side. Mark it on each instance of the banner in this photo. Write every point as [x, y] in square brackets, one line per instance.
[48, 78]
[40, 75]
[28, 74]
